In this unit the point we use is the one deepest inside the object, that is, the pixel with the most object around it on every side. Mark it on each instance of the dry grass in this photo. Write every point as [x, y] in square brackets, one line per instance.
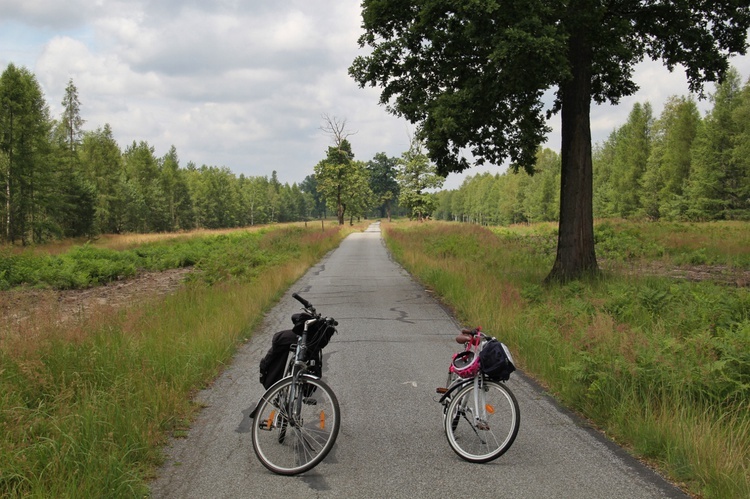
[127, 241]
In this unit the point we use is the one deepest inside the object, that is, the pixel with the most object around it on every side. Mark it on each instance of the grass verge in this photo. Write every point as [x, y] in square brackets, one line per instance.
[85, 409]
[660, 365]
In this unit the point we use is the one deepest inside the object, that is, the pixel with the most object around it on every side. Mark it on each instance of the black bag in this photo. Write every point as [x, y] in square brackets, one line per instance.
[495, 361]
[273, 364]
[318, 335]
[282, 346]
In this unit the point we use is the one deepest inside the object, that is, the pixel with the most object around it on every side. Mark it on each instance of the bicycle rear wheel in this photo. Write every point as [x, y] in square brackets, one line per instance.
[295, 425]
[482, 428]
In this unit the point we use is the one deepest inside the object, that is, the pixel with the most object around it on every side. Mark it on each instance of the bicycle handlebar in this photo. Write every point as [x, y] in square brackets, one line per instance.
[329, 320]
[304, 302]
[473, 336]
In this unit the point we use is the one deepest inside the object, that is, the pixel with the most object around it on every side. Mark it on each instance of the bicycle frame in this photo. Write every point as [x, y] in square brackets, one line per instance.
[300, 367]
[474, 343]
[480, 408]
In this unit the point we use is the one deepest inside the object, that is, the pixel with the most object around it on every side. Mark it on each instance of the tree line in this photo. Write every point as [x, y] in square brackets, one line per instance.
[677, 166]
[60, 180]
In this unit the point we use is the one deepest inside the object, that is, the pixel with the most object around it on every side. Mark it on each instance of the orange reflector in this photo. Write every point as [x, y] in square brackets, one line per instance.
[490, 409]
[322, 420]
[441, 390]
[269, 421]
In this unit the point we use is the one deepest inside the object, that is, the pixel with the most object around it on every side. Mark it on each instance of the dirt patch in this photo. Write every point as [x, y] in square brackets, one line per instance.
[721, 274]
[18, 304]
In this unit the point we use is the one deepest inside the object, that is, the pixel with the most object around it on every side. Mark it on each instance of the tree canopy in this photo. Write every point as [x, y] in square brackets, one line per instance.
[474, 75]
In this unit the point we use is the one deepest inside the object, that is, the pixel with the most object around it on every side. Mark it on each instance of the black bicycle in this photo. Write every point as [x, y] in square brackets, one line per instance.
[297, 419]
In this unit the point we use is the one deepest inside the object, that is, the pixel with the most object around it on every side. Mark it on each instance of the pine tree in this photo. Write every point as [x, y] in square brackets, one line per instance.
[710, 194]
[25, 127]
[102, 165]
[668, 165]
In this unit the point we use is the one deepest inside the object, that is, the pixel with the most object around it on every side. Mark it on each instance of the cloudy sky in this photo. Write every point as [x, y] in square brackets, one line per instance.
[241, 84]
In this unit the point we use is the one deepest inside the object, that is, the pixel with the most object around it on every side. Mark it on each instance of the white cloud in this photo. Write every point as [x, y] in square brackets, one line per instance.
[233, 83]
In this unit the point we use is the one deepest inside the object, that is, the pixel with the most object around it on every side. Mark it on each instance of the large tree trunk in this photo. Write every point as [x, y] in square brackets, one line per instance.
[575, 242]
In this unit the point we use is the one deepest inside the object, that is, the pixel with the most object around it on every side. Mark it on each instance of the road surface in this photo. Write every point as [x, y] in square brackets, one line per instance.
[392, 350]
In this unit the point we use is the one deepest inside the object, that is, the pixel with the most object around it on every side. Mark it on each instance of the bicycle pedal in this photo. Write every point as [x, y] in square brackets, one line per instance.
[441, 390]
[310, 401]
[483, 426]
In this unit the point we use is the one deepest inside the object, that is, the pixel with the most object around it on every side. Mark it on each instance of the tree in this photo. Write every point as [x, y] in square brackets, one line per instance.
[25, 127]
[668, 165]
[317, 206]
[71, 120]
[473, 76]
[383, 182]
[357, 194]
[254, 195]
[101, 164]
[74, 202]
[144, 175]
[215, 195]
[741, 155]
[416, 176]
[174, 186]
[542, 203]
[710, 190]
[334, 174]
[338, 169]
[632, 148]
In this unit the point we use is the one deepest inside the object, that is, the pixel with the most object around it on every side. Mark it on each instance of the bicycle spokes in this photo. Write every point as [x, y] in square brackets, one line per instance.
[299, 438]
[482, 420]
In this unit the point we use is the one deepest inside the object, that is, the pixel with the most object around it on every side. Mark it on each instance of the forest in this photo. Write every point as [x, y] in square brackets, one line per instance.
[679, 166]
[61, 180]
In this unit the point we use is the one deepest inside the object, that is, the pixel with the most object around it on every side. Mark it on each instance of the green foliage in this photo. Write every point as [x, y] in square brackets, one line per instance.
[506, 199]
[416, 178]
[27, 207]
[60, 180]
[632, 146]
[383, 183]
[695, 170]
[623, 243]
[236, 256]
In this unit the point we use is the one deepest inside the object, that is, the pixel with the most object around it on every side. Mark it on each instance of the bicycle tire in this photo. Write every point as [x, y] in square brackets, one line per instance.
[482, 437]
[288, 444]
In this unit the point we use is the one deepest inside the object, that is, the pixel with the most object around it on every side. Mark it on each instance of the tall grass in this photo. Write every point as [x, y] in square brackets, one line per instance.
[86, 408]
[662, 365]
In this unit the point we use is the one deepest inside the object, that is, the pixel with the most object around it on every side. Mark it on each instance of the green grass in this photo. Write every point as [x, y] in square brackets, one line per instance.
[661, 365]
[236, 254]
[86, 408]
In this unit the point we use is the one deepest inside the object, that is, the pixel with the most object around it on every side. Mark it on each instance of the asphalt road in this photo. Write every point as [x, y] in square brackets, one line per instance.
[392, 350]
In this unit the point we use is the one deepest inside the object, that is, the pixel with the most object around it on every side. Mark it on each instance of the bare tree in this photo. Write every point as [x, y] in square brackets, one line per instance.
[336, 129]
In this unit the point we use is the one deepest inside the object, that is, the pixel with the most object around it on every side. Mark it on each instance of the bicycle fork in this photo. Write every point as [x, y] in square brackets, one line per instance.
[481, 407]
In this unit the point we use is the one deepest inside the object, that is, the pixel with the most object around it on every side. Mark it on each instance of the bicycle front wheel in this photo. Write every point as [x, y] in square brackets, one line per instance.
[295, 425]
[482, 424]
